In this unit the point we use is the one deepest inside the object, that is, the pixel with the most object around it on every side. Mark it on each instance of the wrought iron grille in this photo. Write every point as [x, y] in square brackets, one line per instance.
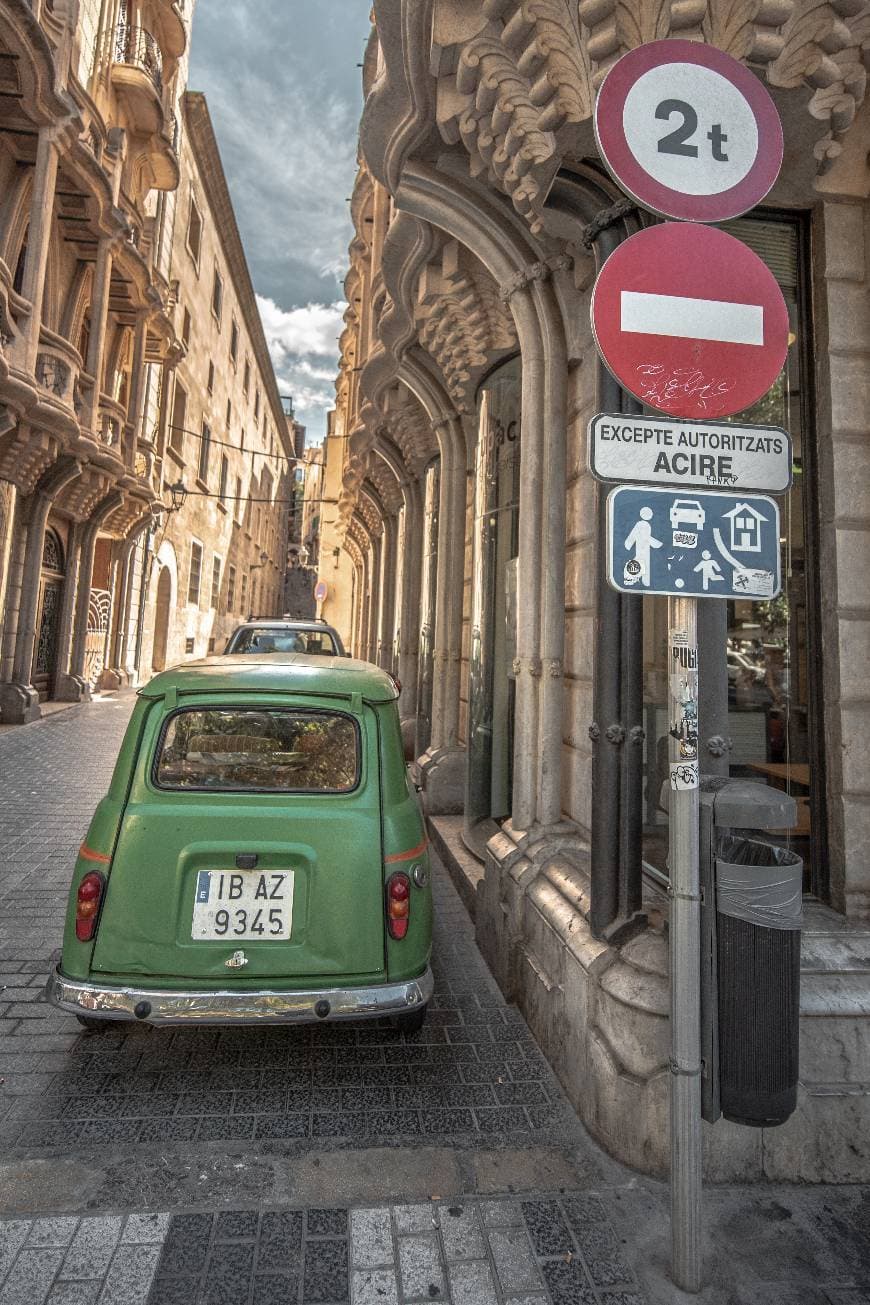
[134, 45]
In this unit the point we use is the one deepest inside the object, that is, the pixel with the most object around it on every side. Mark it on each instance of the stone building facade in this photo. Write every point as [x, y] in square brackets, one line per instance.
[457, 489]
[221, 431]
[91, 329]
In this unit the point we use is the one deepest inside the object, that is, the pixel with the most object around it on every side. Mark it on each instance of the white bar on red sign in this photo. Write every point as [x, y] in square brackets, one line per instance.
[695, 319]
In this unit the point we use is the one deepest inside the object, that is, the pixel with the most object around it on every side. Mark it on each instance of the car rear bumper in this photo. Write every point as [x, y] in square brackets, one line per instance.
[314, 1005]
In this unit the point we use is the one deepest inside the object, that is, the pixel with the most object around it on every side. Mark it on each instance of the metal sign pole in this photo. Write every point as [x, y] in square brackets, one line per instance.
[685, 948]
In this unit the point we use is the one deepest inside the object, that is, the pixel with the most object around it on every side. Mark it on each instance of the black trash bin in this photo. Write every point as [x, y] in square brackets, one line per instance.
[758, 937]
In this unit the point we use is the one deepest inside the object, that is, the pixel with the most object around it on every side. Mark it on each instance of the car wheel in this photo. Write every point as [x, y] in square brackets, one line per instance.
[410, 1021]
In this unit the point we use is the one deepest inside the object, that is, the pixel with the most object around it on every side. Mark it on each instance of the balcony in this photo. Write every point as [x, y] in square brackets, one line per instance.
[137, 76]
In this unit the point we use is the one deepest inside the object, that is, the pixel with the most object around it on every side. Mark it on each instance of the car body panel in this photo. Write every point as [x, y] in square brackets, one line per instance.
[342, 846]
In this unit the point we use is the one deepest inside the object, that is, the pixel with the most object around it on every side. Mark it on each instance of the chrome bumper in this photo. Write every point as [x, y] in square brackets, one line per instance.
[314, 1005]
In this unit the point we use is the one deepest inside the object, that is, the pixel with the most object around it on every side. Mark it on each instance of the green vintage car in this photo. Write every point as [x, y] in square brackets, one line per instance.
[260, 856]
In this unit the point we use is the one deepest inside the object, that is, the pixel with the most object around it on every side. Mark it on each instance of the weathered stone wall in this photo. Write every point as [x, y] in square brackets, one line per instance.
[580, 589]
[236, 530]
[843, 418]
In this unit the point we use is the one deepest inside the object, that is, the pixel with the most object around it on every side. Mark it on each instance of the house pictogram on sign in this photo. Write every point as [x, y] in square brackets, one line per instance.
[745, 526]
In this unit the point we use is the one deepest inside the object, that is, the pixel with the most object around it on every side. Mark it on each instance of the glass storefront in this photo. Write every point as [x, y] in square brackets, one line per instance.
[491, 688]
[431, 493]
[770, 698]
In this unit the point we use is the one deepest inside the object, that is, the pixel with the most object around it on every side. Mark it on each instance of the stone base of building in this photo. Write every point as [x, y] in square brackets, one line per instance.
[113, 677]
[72, 688]
[442, 778]
[19, 704]
[601, 1016]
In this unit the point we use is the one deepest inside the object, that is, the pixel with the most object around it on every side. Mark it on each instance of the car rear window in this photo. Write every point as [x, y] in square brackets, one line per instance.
[240, 749]
[281, 640]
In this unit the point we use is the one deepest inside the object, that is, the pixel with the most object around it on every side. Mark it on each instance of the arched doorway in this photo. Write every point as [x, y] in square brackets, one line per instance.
[161, 619]
[50, 596]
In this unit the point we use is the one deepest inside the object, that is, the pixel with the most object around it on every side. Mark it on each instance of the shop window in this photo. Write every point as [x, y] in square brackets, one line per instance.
[195, 578]
[773, 719]
[491, 684]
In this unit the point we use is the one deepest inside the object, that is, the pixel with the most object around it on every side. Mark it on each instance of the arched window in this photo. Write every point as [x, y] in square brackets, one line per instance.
[18, 279]
[52, 553]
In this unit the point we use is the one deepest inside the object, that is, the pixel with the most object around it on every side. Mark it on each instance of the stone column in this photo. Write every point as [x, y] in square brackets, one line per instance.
[371, 653]
[38, 237]
[94, 363]
[68, 606]
[449, 586]
[12, 603]
[101, 512]
[409, 600]
[135, 409]
[387, 623]
[19, 701]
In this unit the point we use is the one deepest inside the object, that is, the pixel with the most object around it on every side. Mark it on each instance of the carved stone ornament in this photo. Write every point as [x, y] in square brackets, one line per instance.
[53, 373]
[517, 77]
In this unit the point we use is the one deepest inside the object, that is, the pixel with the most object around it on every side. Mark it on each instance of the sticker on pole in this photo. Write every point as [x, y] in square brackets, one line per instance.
[693, 545]
[320, 591]
[690, 321]
[688, 131]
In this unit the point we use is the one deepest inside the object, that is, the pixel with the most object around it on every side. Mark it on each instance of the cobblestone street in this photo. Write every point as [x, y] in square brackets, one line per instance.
[327, 1164]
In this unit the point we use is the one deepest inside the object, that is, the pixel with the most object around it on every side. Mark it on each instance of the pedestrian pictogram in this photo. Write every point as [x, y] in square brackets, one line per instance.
[688, 131]
[706, 546]
[690, 321]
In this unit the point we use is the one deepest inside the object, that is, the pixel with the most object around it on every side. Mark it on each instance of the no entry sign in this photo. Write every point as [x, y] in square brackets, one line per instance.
[688, 131]
[690, 321]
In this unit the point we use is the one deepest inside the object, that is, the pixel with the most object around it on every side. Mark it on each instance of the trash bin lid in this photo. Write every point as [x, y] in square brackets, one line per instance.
[743, 804]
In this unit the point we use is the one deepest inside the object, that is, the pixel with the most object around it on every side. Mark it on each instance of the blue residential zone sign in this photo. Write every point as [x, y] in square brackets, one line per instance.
[664, 541]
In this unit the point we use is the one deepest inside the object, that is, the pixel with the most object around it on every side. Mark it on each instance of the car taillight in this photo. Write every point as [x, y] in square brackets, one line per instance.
[88, 899]
[398, 904]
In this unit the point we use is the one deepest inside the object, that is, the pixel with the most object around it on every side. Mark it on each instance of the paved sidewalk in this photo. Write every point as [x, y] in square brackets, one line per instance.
[327, 1164]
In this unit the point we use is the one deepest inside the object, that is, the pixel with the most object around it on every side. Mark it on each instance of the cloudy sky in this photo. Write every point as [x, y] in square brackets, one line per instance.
[284, 92]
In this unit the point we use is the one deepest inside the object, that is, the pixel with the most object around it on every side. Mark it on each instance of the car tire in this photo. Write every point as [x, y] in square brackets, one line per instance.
[94, 1025]
[410, 1021]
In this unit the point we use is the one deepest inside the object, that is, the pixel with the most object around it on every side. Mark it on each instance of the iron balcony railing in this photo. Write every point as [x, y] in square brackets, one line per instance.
[135, 46]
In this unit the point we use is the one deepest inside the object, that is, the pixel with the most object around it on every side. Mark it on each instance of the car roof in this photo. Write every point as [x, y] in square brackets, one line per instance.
[279, 623]
[275, 673]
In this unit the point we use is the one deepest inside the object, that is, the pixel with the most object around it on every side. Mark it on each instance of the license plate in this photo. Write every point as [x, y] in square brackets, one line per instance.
[243, 904]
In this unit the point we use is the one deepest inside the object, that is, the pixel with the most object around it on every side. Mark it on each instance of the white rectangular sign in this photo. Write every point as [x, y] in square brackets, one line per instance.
[708, 455]
[693, 319]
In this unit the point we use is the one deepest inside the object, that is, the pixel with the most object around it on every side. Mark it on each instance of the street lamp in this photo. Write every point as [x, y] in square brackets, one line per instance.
[179, 495]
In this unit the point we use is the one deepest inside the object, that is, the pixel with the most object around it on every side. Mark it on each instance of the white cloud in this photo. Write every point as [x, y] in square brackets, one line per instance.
[311, 330]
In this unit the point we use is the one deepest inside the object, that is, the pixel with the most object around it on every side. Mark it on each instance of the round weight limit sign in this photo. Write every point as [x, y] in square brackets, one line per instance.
[688, 131]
